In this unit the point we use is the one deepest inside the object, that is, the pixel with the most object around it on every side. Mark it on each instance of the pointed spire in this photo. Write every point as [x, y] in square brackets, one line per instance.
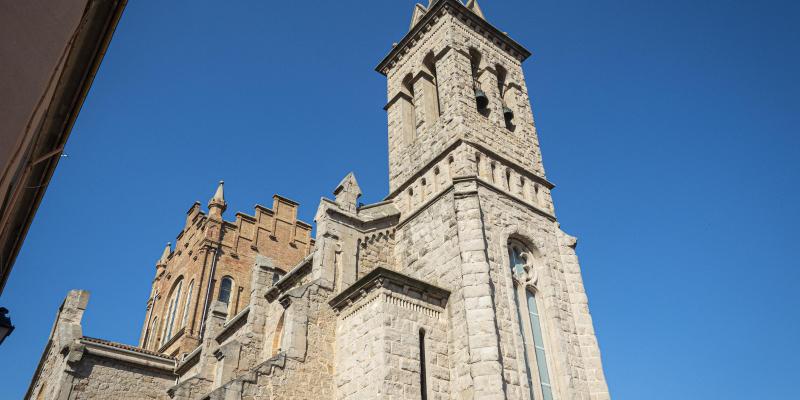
[165, 255]
[219, 196]
[474, 7]
[419, 12]
[347, 193]
[217, 204]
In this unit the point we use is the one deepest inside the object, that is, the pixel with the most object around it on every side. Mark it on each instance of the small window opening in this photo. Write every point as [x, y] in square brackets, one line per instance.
[481, 99]
[409, 112]
[508, 113]
[423, 379]
[225, 288]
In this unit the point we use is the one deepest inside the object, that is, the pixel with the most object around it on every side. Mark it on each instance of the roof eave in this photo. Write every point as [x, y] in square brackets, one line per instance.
[428, 18]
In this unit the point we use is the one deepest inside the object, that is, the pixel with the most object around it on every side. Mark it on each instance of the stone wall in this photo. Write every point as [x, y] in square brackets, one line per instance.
[101, 378]
[375, 250]
[76, 367]
[303, 369]
[359, 350]
[386, 320]
[559, 290]
[48, 380]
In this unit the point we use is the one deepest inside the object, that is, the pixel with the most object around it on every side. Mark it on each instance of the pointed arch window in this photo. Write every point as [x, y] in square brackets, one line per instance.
[277, 337]
[530, 321]
[481, 98]
[225, 289]
[153, 334]
[172, 311]
[430, 88]
[505, 95]
[408, 112]
[187, 304]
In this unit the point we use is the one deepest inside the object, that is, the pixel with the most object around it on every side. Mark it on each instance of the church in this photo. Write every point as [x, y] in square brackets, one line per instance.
[461, 284]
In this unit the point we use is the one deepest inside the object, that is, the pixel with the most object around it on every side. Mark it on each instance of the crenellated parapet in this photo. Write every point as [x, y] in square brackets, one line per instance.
[211, 261]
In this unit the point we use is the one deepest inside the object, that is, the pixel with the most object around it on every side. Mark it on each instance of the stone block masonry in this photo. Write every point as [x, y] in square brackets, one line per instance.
[460, 285]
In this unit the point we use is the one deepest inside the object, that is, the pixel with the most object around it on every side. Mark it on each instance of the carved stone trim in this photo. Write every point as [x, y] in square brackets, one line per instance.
[382, 278]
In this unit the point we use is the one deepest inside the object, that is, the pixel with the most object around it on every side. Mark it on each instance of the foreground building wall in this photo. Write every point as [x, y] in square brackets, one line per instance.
[51, 51]
[460, 285]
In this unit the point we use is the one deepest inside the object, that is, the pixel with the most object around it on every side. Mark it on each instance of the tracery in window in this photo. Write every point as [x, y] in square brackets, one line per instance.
[525, 279]
[174, 301]
[187, 304]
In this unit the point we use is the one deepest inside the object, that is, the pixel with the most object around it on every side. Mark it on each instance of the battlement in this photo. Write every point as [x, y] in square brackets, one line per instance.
[248, 233]
[211, 260]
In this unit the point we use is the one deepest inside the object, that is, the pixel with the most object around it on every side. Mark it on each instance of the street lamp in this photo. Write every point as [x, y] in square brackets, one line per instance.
[5, 325]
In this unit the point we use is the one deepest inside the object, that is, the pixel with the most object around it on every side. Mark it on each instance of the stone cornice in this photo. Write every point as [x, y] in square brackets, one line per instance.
[395, 98]
[449, 149]
[531, 207]
[233, 325]
[190, 360]
[172, 340]
[478, 182]
[290, 278]
[434, 13]
[101, 348]
[362, 223]
[395, 281]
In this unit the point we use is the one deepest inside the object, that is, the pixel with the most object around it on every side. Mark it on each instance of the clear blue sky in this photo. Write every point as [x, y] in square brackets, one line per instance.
[670, 128]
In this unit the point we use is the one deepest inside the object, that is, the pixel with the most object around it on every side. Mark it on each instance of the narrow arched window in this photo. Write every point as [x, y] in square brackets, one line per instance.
[42, 391]
[172, 311]
[430, 86]
[423, 373]
[523, 188]
[408, 112]
[188, 303]
[508, 112]
[436, 179]
[530, 322]
[277, 337]
[481, 99]
[153, 334]
[538, 342]
[225, 289]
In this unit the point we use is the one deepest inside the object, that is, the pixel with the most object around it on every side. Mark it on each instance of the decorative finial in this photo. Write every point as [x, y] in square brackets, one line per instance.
[217, 204]
[416, 16]
[165, 255]
[347, 193]
[220, 194]
[475, 8]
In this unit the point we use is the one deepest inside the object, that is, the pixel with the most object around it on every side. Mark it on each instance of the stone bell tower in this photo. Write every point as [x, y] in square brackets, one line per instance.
[476, 215]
